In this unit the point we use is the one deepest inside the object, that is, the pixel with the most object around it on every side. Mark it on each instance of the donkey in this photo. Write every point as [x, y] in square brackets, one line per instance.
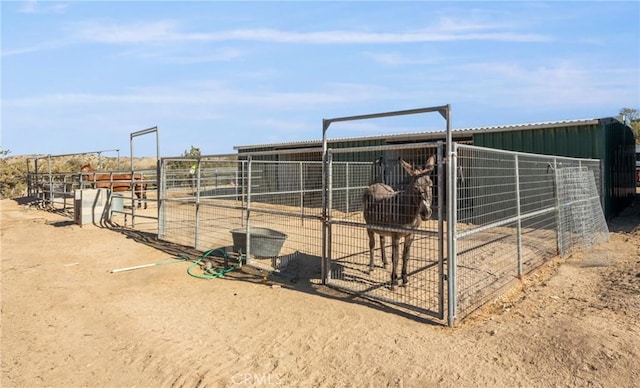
[385, 208]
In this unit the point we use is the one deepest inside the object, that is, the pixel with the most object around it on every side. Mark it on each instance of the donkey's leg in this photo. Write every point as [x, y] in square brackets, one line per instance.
[383, 251]
[395, 247]
[408, 240]
[372, 246]
[144, 196]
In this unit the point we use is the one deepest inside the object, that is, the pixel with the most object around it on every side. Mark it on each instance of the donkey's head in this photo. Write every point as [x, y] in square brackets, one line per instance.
[421, 184]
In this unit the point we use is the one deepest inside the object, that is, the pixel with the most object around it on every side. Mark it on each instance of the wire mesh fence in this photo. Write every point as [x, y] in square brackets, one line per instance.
[582, 222]
[201, 200]
[285, 198]
[513, 210]
[267, 211]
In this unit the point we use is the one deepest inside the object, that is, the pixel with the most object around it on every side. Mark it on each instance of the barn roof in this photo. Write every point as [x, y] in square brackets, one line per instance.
[458, 134]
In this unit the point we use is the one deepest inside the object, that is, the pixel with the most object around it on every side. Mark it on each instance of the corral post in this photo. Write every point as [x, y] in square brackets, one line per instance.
[248, 214]
[162, 189]
[441, 203]
[243, 191]
[51, 191]
[558, 210]
[133, 202]
[519, 222]
[158, 172]
[29, 189]
[329, 211]
[323, 262]
[301, 176]
[452, 165]
[197, 231]
[346, 194]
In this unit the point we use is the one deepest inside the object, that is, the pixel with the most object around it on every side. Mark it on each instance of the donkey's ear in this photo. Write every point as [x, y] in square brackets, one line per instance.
[431, 163]
[407, 167]
[428, 168]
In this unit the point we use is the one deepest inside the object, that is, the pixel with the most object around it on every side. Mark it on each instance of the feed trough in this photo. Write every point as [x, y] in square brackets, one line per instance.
[265, 242]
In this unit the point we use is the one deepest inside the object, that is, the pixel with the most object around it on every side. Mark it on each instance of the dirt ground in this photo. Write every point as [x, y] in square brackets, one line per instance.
[68, 321]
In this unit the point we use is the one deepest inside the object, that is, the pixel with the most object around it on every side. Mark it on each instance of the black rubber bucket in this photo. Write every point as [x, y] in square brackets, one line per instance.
[265, 242]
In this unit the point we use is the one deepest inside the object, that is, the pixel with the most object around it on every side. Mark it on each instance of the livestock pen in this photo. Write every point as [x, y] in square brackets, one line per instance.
[513, 212]
[126, 191]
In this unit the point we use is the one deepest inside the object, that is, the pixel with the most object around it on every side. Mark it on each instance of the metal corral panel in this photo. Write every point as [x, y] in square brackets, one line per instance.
[609, 140]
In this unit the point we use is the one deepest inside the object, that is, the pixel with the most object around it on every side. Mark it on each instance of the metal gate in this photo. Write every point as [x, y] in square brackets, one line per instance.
[149, 189]
[347, 256]
[346, 247]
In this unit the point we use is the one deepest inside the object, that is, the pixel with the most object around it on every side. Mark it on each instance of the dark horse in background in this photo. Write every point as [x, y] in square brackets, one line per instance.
[385, 209]
[117, 182]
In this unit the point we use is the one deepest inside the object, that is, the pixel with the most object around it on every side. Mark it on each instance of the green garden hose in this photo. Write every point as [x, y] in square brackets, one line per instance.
[214, 272]
[209, 273]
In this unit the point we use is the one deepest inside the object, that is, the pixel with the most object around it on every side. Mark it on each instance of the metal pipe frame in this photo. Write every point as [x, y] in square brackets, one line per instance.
[452, 219]
[49, 156]
[445, 112]
[131, 137]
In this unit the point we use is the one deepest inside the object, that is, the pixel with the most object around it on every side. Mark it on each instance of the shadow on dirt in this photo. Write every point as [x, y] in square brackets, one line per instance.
[628, 221]
[302, 274]
[40, 204]
[61, 224]
[27, 201]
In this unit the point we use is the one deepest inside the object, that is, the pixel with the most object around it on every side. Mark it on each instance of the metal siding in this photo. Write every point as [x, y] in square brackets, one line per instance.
[551, 141]
[359, 157]
[562, 137]
[538, 142]
[527, 138]
[597, 141]
[518, 138]
[619, 166]
[604, 139]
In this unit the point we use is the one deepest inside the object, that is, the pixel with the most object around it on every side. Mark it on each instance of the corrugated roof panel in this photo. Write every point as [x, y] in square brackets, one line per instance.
[429, 135]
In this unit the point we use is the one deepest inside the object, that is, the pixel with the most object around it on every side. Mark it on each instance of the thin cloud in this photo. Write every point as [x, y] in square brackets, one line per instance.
[168, 31]
[398, 59]
[218, 56]
[52, 45]
[209, 94]
[34, 7]
[451, 24]
[165, 32]
[27, 50]
[184, 57]
[159, 31]
[551, 84]
[357, 37]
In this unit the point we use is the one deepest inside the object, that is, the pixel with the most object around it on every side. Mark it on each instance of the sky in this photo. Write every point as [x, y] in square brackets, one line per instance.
[81, 76]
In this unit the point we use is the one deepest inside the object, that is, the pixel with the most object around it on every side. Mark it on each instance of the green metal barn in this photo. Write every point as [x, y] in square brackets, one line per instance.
[609, 139]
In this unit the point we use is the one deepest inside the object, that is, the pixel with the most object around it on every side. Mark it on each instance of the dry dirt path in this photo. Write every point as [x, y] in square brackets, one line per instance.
[67, 321]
